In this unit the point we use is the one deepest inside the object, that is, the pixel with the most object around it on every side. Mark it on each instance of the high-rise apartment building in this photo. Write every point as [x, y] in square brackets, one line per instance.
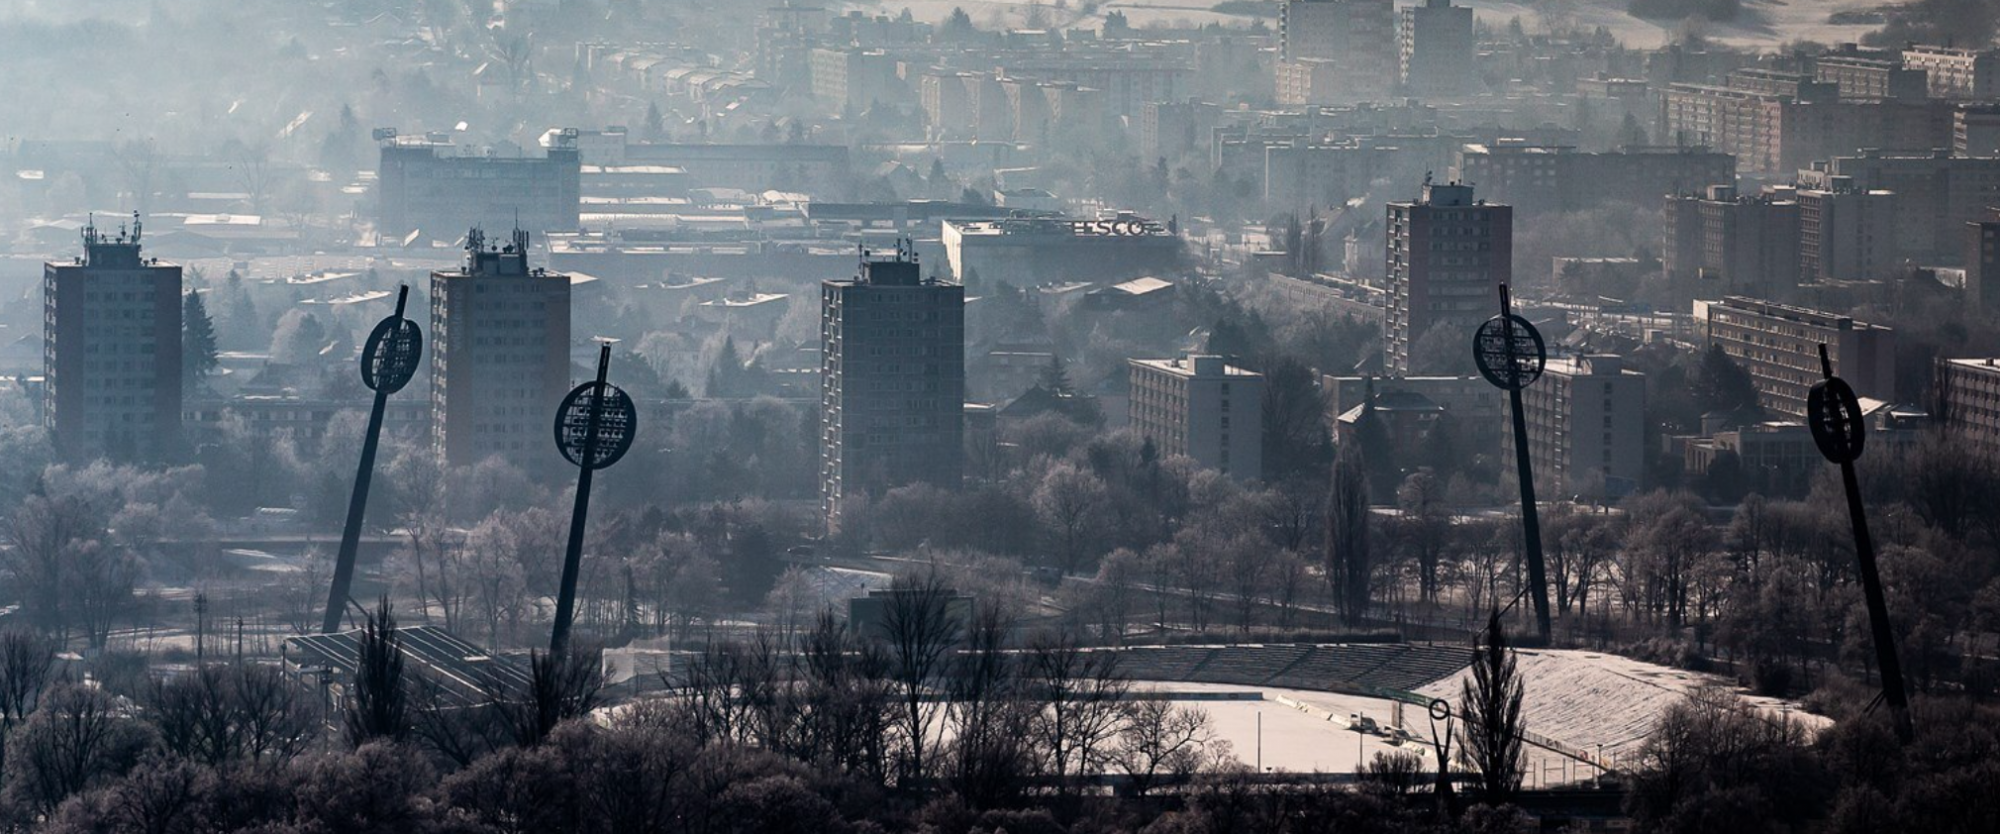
[1870, 77]
[1435, 48]
[892, 382]
[1334, 51]
[1201, 407]
[499, 354]
[1778, 346]
[1848, 233]
[111, 351]
[1586, 426]
[1446, 256]
[1746, 244]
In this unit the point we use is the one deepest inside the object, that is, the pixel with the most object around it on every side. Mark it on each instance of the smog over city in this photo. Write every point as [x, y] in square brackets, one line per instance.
[980, 416]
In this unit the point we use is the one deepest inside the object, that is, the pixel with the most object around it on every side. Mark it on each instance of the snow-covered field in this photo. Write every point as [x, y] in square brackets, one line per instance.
[1581, 699]
[1306, 732]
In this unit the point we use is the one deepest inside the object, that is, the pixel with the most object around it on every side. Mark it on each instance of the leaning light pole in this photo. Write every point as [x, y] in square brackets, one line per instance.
[594, 428]
[1834, 414]
[387, 363]
[1511, 355]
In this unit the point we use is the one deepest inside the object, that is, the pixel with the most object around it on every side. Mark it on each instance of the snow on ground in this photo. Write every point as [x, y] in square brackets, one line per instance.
[1587, 699]
[1313, 738]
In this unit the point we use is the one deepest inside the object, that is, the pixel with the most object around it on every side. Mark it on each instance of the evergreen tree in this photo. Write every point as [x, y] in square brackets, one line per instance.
[1055, 378]
[377, 706]
[1347, 540]
[198, 348]
[1490, 704]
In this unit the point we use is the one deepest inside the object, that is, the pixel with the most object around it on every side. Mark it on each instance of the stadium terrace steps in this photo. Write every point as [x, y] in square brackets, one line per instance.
[1360, 667]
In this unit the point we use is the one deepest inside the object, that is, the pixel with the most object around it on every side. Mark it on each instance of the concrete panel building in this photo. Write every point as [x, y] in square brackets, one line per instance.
[1436, 50]
[892, 383]
[1586, 427]
[1968, 401]
[1745, 244]
[111, 351]
[1778, 346]
[1203, 408]
[500, 355]
[1848, 233]
[432, 187]
[1446, 256]
[1334, 51]
[1533, 177]
[1982, 262]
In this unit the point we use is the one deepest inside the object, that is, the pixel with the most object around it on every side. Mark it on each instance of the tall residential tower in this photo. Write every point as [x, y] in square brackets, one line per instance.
[111, 351]
[500, 355]
[892, 382]
[1446, 256]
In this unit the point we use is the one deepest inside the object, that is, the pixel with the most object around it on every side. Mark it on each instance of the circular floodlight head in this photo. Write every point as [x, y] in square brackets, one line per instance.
[617, 420]
[1509, 352]
[1834, 414]
[1440, 709]
[390, 358]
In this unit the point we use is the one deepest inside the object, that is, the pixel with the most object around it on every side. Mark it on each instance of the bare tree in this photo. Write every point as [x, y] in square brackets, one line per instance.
[1081, 693]
[920, 631]
[1159, 741]
[561, 687]
[222, 713]
[988, 715]
[75, 740]
[1069, 501]
[1491, 705]
[26, 662]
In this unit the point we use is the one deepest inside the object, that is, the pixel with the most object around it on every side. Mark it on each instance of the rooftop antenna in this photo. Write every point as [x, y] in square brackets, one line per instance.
[135, 226]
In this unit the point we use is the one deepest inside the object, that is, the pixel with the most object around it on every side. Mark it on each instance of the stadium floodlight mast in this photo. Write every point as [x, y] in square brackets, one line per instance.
[1511, 355]
[594, 428]
[387, 363]
[1834, 414]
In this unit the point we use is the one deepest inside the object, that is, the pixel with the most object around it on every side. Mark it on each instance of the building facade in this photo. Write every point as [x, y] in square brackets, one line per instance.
[1026, 251]
[1778, 346]
[1968, 401]
[429, 187]
[1848, 233]
[892, 383]
[1586, 427]
[1335, 51]
[1201, 407]
[1957, 73]
[111, 351]
[1446, 257]
[500, 365]
[1746, 244]
[1555, 178]
[1982, 262]
[1436, 50]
